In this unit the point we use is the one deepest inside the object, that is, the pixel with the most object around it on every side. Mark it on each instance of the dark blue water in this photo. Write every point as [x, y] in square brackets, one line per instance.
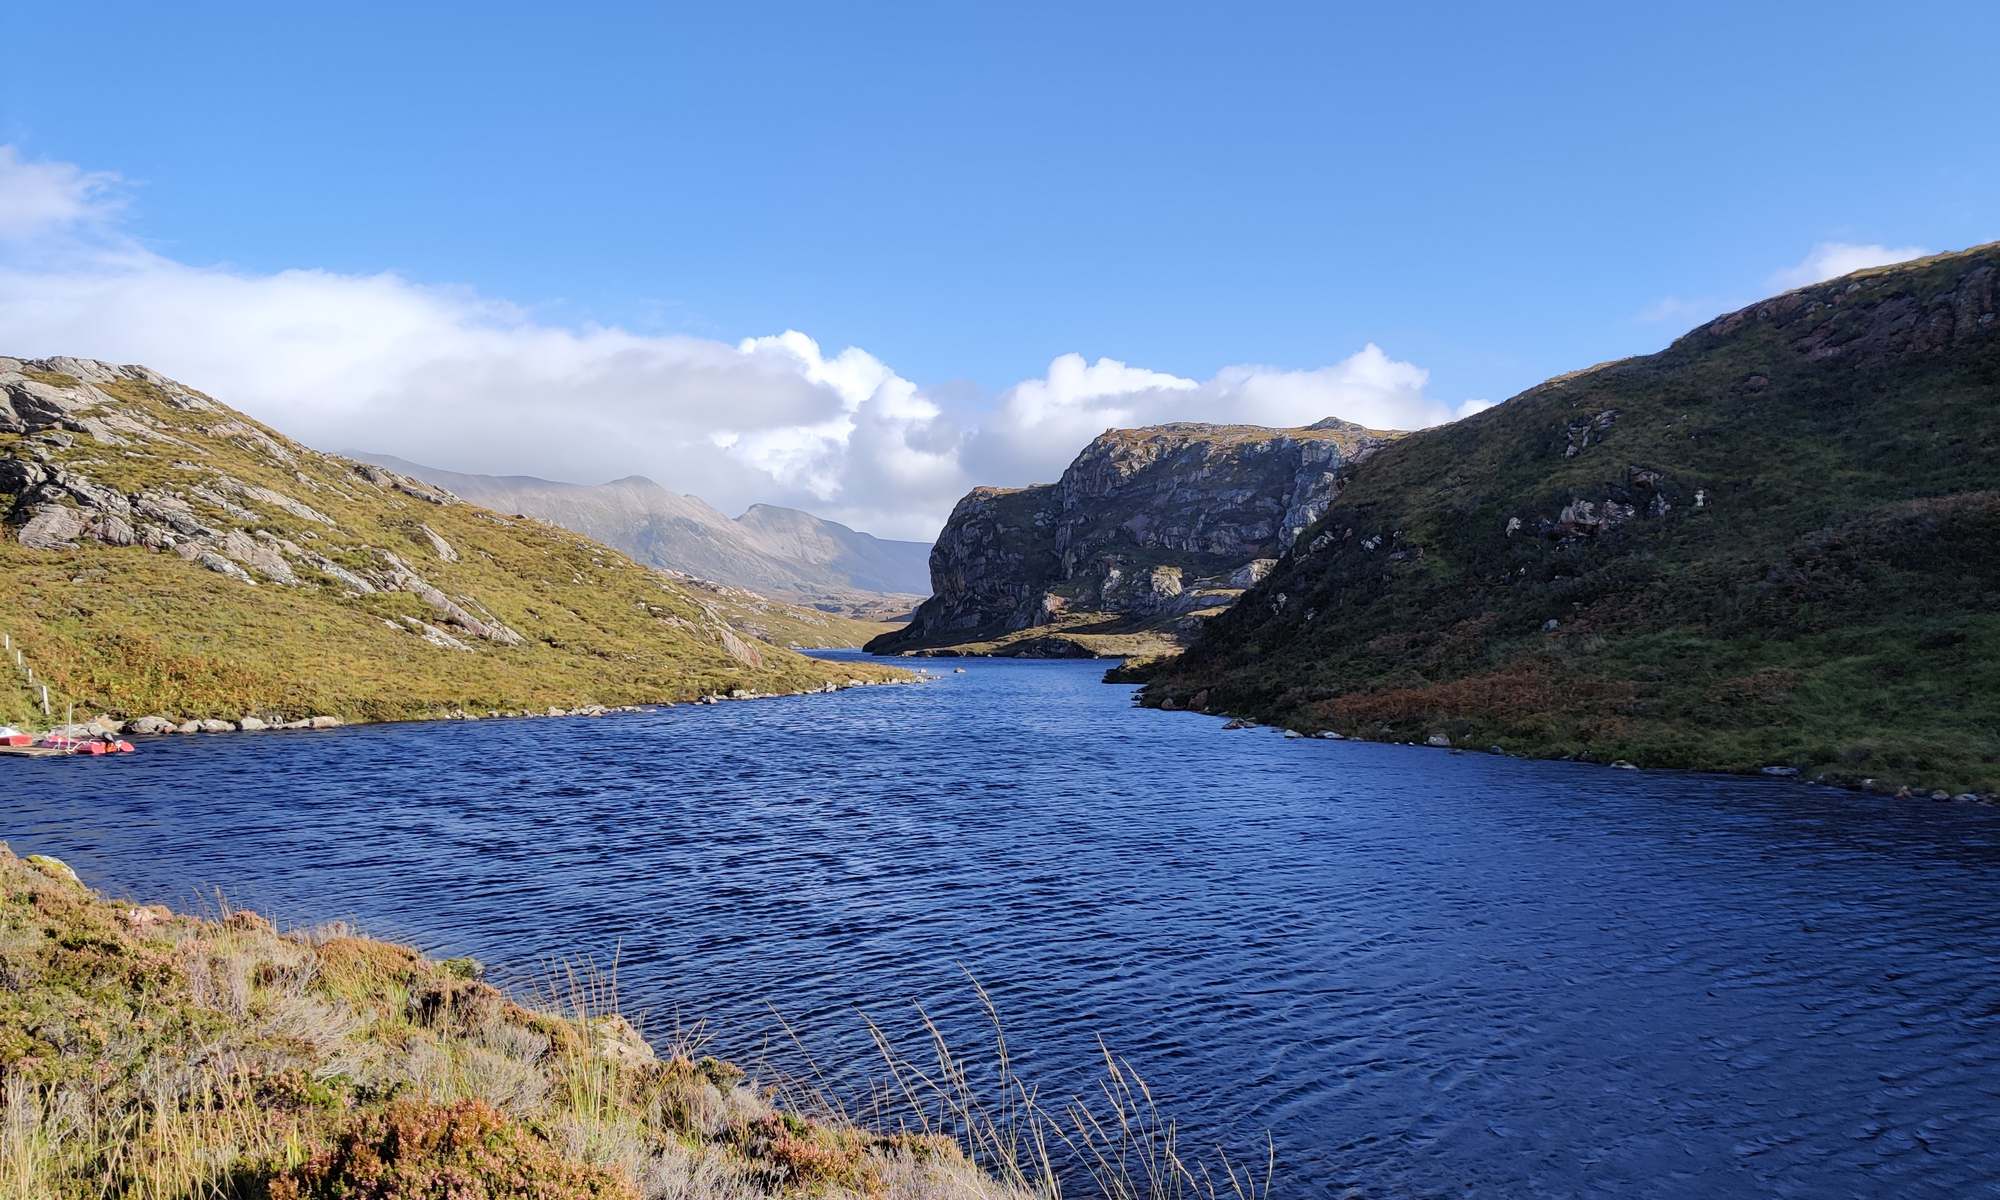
[1426, 974]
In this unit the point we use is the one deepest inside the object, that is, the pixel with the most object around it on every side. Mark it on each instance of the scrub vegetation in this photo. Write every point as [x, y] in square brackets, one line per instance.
[146, 1055]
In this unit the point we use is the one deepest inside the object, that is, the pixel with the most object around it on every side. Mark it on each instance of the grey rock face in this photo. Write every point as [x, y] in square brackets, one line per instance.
[439, 546]
[401, 578]
[260, 557]
[52, 527]
[1145, 523]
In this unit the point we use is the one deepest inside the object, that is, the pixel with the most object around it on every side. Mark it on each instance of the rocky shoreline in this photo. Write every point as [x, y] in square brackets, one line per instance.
[157, 725]
[1439, 741]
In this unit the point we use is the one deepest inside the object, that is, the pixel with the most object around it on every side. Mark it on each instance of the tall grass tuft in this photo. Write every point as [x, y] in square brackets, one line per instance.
[1114, 1143]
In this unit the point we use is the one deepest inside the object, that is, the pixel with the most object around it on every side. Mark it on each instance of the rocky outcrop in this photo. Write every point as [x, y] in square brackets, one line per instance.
[1147, 525]
[215, 519]
[170, 553]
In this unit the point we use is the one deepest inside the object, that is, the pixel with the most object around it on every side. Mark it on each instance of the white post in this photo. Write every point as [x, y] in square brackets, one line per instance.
[45, 699]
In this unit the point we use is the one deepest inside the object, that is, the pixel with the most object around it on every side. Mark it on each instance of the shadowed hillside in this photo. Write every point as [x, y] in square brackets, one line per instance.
[1771, 544]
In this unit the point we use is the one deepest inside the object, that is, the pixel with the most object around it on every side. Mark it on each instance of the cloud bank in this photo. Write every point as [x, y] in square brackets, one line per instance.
[1831, 260]
[451, 377]
[1827, 260]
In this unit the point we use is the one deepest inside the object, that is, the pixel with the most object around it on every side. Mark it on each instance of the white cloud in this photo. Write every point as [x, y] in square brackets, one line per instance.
[37, 197]
[1678, 309]
[1827, 260]
[1831, 260]
[1042, 423]
[450, 377]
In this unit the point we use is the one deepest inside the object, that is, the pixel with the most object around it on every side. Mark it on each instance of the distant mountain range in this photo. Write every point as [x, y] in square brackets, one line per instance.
[778, 551]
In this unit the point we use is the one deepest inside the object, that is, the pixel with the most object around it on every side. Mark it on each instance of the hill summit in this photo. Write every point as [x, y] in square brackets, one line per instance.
[1771, 545]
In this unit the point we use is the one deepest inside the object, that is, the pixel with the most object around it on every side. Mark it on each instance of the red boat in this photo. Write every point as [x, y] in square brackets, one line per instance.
[66, 744]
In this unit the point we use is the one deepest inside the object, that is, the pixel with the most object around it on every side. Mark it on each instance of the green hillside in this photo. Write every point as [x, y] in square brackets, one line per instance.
[168, 555]
[1776, 542]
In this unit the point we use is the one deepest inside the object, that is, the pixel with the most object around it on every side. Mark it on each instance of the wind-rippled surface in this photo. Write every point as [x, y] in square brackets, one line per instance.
[1424, 973]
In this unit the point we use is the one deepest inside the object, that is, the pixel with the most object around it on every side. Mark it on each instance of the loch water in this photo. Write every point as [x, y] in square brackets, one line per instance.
[1424, 973]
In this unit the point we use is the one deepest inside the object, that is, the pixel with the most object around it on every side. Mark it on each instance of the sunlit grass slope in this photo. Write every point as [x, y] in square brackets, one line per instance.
[169, 555]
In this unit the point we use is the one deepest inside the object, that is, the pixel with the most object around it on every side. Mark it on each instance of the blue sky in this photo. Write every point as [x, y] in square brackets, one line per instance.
[1490, 194]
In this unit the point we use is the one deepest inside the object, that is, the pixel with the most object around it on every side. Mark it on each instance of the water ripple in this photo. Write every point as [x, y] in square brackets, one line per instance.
[1425, 973]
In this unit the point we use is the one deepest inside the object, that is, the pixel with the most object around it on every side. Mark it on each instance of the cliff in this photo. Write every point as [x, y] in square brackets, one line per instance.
[1146, 532]
[1770, 545]
[167, 556]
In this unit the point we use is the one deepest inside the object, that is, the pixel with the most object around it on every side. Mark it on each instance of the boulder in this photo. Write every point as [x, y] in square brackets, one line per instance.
[252, 724]
[261, 557]
[214, 562]
[1437, 739]
[323, 722]
[439, 546]
[51, 527]
[146, 916]
[188, 727]
[54, 868]
[614, 1039]
[150, 725]
[212, 725]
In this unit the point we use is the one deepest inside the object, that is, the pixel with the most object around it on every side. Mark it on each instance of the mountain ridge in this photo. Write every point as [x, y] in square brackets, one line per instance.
[799, 557]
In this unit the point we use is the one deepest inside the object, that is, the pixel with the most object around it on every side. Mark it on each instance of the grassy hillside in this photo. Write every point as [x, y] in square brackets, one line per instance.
[169, 555]
[1772, 543]
[146, 1055]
